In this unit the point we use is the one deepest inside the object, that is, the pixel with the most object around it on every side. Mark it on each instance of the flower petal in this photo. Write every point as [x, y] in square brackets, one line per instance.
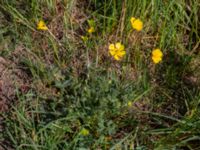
[111, 47]
[112, 52]
[117, 57]
[156, 59]
[137, 24]
[121, 53]
[132, 19]
[119, 46]
[157, 53]
[41, 25]
[91, 30]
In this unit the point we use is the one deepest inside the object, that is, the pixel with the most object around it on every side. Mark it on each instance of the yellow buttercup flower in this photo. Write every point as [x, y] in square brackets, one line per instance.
[137, 24]
[41, 25]
[117, 50]
[84, 132]
[157, 55]
[91, 30]
[129, 103]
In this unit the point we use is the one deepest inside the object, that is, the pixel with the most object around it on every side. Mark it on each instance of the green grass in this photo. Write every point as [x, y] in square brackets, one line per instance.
[72, 85]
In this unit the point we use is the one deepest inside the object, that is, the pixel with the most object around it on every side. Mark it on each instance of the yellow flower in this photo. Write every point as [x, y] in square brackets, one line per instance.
[84, 132]
[41, 25]
[91, 30]
[129, 103]
[84, 38]
[137, 24]
[157, 55]
[117, 50]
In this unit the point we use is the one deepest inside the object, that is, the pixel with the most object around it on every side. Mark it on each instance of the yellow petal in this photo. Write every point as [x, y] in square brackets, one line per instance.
[91, 30]
[121, 53]
[117, 57]
[137, 24]
[111, 47]
[132, 20]
[157, 53]
[156, 59]
[41, 25]
[119, 46]
[112, 52]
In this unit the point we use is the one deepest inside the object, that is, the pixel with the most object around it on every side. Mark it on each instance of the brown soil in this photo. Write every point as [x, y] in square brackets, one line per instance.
[11, 78]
